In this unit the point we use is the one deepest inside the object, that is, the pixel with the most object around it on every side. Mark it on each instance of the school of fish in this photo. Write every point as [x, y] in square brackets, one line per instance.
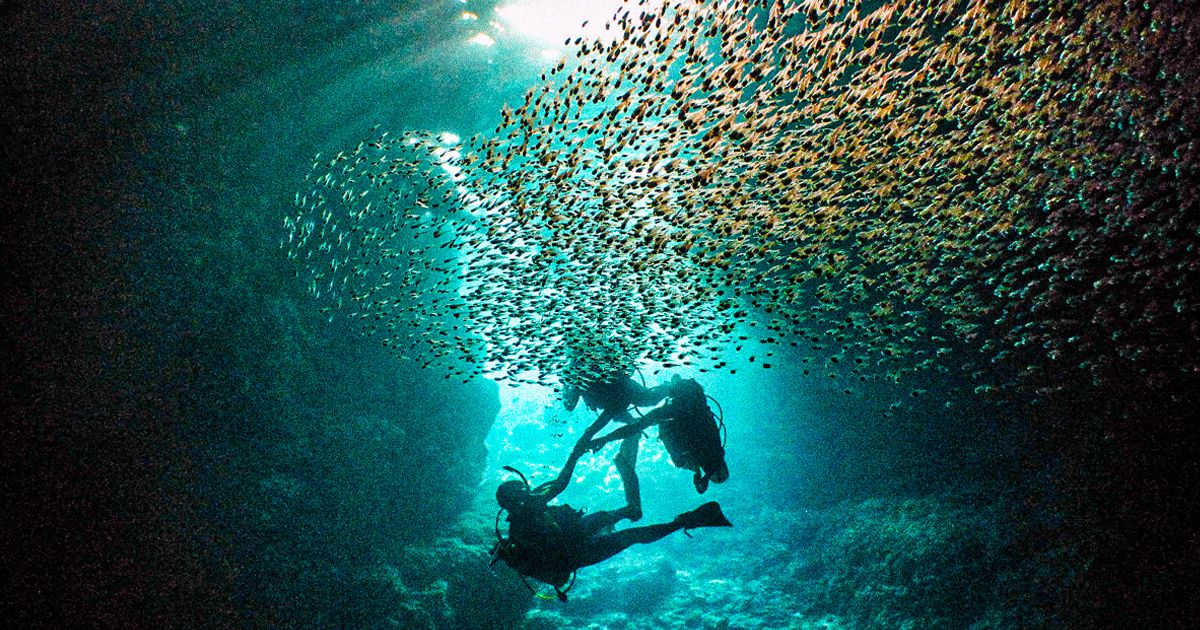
[974, 186]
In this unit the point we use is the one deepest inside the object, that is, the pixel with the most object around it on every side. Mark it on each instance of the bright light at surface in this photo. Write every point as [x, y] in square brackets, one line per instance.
[535, 396]
[557, 20]
[483, 39]
[549, 54]
[448, 159]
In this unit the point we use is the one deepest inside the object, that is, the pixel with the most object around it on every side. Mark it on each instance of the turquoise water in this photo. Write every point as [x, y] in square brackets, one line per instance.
[290, 285]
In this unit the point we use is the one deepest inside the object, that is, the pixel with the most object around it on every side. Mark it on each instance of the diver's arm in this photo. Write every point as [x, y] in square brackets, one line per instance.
[560, 482]
[545, 492]
[654, 416]
[628, 430]
[641, 396]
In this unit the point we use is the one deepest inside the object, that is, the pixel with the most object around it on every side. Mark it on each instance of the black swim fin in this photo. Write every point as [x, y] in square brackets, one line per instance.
[707, 515]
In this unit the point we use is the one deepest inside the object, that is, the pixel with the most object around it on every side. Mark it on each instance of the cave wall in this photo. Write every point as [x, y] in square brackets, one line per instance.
[187, 442]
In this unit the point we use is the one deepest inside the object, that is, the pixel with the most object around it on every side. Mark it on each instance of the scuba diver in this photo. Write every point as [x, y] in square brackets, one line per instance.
[551, 542]
[612, 394]
[688, 429]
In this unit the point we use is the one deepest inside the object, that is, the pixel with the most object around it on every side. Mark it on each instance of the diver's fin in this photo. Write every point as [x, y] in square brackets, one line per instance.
[707, 515]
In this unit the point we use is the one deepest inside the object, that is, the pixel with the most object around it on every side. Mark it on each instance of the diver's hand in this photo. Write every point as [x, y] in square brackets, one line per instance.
[571, 398]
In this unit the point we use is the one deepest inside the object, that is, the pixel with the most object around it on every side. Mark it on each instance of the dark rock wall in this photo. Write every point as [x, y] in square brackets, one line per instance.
[186, 442]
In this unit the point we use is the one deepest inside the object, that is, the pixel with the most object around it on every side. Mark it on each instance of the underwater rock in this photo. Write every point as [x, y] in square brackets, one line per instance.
[546, 620]
[636, 587]
[941, 561]
[470, 594]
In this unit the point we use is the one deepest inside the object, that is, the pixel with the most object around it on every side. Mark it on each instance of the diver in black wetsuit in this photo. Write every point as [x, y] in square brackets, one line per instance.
[550, 542]
[688, 430]
[612, 395]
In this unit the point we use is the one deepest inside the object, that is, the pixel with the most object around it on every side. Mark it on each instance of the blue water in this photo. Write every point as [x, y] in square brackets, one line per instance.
[198, 441]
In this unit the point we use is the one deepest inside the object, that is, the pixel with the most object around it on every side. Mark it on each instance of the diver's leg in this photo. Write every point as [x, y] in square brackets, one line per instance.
[626, 462]
[602, 548]
[596, 521]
